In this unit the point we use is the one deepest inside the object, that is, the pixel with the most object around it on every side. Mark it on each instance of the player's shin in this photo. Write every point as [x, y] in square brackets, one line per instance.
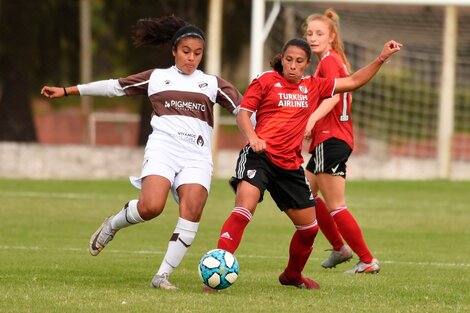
[128, 216]
[352, 234]
[182, 238]
[327, 224]
[301, 247]
[233, 228]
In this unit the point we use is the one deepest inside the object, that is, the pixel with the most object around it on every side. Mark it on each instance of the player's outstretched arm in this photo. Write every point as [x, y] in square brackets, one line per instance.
[364, 74]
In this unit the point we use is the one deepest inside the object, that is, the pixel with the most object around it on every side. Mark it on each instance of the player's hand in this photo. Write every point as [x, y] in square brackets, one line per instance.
[258, 145]
[52, 92]
[308, 132]
[389, 48]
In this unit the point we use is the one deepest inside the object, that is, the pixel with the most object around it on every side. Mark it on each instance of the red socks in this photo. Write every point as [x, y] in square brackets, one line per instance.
[301, 244]
[351, 233]
[233, 228]
[301, 247]
[327, 224]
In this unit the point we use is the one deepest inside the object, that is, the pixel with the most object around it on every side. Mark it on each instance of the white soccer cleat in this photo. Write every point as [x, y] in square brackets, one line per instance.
[366, 268]
[162, 282]
[101, 237]
[338, 257]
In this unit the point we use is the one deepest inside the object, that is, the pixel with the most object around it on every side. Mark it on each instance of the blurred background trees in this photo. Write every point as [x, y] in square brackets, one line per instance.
[40, 44]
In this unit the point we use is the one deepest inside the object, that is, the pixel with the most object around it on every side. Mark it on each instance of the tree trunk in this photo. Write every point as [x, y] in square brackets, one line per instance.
[145, 116]
[16, 120]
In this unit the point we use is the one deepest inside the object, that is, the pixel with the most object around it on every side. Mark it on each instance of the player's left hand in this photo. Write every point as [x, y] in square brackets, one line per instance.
[389, 48]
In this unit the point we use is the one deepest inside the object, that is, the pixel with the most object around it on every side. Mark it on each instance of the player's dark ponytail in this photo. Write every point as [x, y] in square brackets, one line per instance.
[157, 31]
[276, 63]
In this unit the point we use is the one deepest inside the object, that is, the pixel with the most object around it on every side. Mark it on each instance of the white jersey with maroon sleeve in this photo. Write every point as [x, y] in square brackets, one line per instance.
[182, 120]
[183, 106]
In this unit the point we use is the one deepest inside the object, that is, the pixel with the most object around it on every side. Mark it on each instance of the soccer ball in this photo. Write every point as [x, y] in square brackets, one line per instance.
[218, 269]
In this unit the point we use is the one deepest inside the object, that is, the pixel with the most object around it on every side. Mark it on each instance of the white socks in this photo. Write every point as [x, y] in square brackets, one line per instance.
[182, 238]
[129, 215]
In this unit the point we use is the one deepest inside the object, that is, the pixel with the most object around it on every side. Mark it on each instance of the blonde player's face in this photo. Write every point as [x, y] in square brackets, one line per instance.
[188, 54]
[294, 64]
[319, 37]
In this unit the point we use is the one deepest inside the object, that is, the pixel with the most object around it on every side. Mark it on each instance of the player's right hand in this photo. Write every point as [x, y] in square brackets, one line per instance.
[52, 92]
[258, 146]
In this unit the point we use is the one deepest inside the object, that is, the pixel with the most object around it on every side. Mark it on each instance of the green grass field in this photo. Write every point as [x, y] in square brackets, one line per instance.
[420, 231]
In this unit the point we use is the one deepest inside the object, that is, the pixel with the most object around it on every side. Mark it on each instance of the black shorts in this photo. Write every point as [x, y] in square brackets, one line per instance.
[288, 188]
[330, 157]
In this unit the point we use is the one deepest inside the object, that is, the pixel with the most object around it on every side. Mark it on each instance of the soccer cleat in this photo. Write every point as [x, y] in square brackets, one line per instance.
[162, 282]
[337, 257]
[302, 282]
[366, 268]
[101, 237]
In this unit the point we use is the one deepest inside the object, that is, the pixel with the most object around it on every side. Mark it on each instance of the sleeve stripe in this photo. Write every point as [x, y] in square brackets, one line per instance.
[227, 97]
[334, 89]
[135, 85]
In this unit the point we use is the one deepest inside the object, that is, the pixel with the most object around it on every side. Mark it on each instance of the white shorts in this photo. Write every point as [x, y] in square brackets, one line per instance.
[178, 169]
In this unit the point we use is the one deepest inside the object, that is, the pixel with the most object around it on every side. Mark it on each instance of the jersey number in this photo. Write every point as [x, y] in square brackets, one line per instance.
[344, 115]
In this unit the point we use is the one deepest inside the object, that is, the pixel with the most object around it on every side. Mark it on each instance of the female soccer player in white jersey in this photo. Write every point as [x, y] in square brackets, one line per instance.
[283, 100]
[330, 128]
[178, 153]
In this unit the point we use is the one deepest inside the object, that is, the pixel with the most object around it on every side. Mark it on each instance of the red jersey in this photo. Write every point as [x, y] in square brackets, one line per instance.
[282, 111]
[338, 122]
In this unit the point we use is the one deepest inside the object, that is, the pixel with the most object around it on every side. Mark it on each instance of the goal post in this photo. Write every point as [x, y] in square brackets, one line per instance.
[447, 97]
[213, 65]
[443, 138]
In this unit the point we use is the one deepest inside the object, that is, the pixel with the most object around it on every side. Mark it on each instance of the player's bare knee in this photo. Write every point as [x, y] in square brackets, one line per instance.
[150, 209]
[191, 213]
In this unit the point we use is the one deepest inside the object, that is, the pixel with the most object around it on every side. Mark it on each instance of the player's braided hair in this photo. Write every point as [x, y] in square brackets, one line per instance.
[276, 61]
[160, 30]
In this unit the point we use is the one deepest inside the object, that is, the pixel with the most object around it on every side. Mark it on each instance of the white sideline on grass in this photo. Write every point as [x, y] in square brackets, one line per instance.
[36, 248]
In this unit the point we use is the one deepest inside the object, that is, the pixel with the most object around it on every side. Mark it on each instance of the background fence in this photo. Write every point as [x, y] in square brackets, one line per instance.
[397, 115]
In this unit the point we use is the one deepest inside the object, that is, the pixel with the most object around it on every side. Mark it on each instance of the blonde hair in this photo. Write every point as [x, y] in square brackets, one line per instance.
[331, 18]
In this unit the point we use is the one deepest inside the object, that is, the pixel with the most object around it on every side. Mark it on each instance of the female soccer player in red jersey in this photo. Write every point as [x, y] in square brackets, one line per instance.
[283, 100]
[178, 153]
[330, 129]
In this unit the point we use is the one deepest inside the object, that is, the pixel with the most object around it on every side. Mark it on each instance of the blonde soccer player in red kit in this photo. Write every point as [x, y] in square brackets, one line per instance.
[330, 129]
